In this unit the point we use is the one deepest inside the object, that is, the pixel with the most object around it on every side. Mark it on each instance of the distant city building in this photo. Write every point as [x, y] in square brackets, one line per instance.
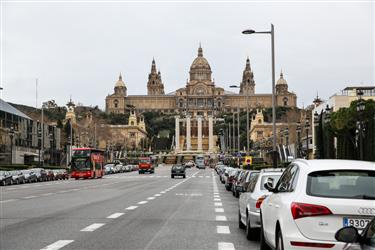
[200, 96]
[27, 138]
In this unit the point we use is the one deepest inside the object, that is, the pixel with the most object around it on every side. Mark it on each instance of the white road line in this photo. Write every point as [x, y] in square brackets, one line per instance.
[157, 195]
[142, 202]
[219, 210]
[216, 196]
[57, 245]
[225, 246]
[115, 215]
[221, 218]
[222, 230]
[10, 200]
[92, 227]
[218, 204]
[131, 207]
[217, 199]
[47, 194]
[30, 197]
[207, 176]
[162, 192]
[150, 198]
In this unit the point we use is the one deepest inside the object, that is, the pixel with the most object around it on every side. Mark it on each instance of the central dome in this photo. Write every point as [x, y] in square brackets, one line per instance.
[200, 70]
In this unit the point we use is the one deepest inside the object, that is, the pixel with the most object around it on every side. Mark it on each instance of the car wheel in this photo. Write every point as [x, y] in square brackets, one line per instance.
[184, 176]
[240, 224]
[237, 194]
[172, 176]
[262, 241]
[279, 241]
[228, 188]
[250, 232]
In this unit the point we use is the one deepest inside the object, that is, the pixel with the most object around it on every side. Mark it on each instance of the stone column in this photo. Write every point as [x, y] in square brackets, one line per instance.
[177, 134]
[210, 134]
[188, 133]
[199, 119]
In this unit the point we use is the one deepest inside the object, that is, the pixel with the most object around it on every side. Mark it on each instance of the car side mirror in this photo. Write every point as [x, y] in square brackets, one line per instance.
[347, 235]
[269, 184]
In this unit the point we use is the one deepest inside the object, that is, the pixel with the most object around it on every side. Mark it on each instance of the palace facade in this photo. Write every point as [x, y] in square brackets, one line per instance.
[200, 95]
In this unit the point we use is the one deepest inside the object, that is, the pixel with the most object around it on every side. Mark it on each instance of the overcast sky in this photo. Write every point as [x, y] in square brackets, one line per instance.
[79, 49]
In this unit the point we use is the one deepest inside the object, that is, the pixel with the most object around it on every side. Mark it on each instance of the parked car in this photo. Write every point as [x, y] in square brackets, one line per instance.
[58, 175]
[40, 173]
[251, 200]
[17, 177]
[355, 240]
[178, 170]
[129, 168]
[108, 169]
[242, 186]
[189, 164]
[236, 181]
[30, 176]
[50, 175]
[315, 198]
[5, 178]
[230, 178]
[64, 174]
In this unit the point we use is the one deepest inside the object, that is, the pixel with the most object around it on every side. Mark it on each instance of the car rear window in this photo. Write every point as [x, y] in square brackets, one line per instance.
[350, 184]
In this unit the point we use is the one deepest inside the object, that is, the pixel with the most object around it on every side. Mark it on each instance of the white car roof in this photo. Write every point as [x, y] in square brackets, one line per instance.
[318, 165]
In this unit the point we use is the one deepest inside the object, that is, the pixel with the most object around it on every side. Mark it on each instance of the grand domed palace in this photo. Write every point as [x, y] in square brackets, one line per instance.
[200, 95]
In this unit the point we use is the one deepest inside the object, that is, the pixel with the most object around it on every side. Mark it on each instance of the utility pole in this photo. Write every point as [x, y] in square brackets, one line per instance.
[238, 129]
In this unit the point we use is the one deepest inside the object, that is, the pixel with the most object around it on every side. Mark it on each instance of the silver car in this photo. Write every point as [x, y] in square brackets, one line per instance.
[250, 201]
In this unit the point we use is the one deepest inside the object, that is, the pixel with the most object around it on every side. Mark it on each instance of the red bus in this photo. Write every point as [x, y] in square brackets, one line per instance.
[87, 163]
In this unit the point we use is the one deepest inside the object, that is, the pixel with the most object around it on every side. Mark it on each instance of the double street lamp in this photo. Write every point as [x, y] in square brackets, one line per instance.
[272, 33]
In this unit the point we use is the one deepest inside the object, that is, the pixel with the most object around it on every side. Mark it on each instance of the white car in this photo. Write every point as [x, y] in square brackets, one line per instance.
[250, 201]
[315, 198]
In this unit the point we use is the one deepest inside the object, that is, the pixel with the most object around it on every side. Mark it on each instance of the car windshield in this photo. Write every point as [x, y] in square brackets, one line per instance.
[350, 184]
[80, 164]
[144, 161]
[265, 178]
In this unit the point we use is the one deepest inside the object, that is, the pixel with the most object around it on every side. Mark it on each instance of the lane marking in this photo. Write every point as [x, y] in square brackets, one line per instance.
[92, 227]
[221, 218]
[115, 215]
[30, 197]
[150, 198]
[47, 194]
[225, 246]
[142, 202]
[217, 199]
[157, 195]
[162, 192]
[222, 230]
[218, 204]
[131, 208]
[10, 200]
[57, 245]
[219, 210]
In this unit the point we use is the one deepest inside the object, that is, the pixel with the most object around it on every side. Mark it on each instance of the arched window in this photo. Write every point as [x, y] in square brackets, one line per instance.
[115, 103]
[132, 123]
[181, 104]
[259, 121]
[285, 100]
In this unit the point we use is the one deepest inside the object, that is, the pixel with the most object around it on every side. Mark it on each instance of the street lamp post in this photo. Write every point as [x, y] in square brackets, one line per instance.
[360, 124]
[272, 33]
[238, 129]
[11, 135]
[316, 126]
[327, 119]
[247, 119]
[298, 139]
[307, 126]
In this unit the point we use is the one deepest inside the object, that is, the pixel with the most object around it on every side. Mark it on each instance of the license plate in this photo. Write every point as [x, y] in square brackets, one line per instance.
[356, 222]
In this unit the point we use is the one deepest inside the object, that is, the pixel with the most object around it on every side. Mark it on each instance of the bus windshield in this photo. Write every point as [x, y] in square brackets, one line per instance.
[81, 164]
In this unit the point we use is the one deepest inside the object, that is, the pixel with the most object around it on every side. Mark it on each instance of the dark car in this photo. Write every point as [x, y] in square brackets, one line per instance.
[178, 170]
[17, 177]
[30, 176]
[40, 173]
[5, 178]
[64, 174]
[50, 175]
[354, 240]
[236, 182]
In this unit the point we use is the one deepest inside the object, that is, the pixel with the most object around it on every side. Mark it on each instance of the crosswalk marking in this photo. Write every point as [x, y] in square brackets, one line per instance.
[57, 245]
[92, 227]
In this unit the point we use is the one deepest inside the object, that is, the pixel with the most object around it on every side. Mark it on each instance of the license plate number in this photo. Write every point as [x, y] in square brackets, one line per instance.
[356, 222]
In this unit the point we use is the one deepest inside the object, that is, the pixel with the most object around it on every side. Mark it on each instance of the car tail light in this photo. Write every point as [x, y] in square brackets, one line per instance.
[300, 210]
[311, 244]
[260, 201]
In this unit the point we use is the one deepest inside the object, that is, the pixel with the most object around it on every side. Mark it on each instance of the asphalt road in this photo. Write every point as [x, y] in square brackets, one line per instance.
[122, 211]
